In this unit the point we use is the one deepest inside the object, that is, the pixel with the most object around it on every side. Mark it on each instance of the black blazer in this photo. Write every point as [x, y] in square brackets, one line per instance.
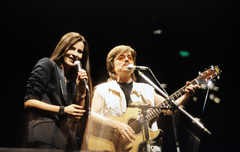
[47, 83]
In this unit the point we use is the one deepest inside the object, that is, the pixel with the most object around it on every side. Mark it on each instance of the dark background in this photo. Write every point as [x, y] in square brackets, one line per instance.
[208, 29]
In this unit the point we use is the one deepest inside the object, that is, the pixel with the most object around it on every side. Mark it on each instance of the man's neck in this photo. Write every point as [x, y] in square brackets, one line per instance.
[124, 79]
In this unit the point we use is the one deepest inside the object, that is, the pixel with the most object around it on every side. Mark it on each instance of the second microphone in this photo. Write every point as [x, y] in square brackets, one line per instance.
[77, 65]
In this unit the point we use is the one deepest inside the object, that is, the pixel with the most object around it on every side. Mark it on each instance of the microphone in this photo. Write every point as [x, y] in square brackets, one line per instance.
[77, 65]
[134, 67]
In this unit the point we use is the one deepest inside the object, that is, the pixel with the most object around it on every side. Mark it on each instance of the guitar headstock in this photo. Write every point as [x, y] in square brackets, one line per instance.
[208, 75]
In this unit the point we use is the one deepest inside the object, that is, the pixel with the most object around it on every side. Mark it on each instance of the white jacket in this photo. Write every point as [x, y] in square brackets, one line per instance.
[114, 101]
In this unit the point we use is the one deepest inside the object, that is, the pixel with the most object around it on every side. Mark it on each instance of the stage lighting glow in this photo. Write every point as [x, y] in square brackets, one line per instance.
[184, 53]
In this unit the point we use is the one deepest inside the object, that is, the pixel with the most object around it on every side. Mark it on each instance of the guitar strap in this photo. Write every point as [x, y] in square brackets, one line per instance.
[146, 101]
[142, 94]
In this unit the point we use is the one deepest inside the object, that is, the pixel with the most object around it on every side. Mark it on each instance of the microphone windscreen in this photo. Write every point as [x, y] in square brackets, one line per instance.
[130, 67]
[77, 62]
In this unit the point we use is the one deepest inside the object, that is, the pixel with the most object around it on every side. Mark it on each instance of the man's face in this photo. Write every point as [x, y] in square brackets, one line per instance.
[121, 61]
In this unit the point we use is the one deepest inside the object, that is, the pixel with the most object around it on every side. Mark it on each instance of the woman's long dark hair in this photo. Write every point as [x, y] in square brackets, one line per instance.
[66, 42]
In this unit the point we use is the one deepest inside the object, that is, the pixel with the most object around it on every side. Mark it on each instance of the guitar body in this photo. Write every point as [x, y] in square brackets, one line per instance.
[103, 138]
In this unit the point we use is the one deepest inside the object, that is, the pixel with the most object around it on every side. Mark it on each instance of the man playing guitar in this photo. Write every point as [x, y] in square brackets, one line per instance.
[113, 97]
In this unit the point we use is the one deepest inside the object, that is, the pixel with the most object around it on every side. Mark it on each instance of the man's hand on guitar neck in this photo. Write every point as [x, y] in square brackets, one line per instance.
[191, 89]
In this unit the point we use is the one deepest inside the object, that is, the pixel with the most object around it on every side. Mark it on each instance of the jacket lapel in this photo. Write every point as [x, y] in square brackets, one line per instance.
[63, 84]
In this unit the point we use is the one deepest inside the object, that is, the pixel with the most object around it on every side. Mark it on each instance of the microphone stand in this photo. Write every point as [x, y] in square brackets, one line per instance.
[85, 141]
[144, 112]
[174, 103]
[89, 113]
[144, 109]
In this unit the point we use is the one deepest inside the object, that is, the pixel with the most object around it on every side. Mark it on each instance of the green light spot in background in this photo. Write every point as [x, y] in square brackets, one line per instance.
[184, 53]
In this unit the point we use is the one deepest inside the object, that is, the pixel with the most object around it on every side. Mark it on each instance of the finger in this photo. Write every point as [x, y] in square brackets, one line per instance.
[197, 86]
[77, 106]
[75, 116]
[129, 130]
[123, 137]
[126, 137]
[130, 133]
[82, 72]
[79, 111]
[84, 77]
[125, 140]
[189, 89]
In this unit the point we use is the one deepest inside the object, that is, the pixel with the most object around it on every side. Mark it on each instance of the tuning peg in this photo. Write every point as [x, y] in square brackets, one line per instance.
[218, 77]
[200, 73]
[212, 68]
[206, 70]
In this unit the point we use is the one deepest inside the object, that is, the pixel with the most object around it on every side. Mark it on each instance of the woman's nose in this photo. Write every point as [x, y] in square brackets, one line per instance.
[75, 55]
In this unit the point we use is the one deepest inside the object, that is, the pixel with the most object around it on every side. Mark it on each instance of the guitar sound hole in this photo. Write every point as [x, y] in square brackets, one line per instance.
[135, 125]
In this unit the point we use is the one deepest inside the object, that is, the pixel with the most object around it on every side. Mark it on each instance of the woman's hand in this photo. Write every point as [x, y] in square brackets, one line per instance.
[74, 112]
[80, 84]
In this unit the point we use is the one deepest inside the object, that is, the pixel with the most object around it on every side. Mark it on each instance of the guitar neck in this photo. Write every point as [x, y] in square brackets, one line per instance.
[181, 91]
[155, 111]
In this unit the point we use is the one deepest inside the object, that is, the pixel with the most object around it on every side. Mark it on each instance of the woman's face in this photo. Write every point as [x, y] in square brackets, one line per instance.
[74, 53]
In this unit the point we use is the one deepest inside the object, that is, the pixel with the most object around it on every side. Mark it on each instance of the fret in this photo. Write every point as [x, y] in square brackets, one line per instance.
[178, 94]
[164, 103]
[175, 96]
[150, 115]
[155, 111]
[140, 120]
[194, 82]
[151, 112]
